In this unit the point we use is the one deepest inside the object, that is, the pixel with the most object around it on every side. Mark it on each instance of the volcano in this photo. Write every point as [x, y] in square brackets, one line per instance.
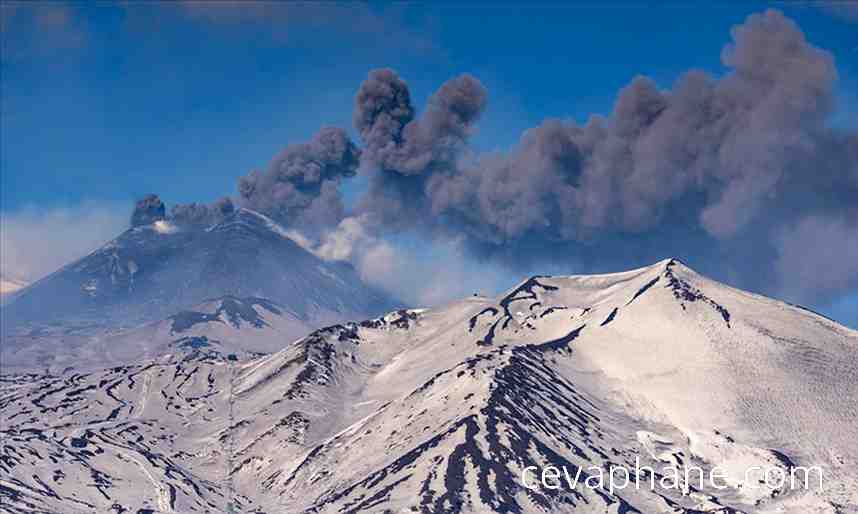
[155, 270]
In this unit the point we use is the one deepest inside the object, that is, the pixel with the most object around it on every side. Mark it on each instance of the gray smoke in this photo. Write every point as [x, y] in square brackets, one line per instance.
[202, 215]
[396, 141]
[382, 110]
[740, 174]
[720, 150]
[301, 185]
[148, 210]
[401, 150]
[726, 163]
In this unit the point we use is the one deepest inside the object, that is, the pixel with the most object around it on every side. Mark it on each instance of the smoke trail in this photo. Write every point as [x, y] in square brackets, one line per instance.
[722, 171]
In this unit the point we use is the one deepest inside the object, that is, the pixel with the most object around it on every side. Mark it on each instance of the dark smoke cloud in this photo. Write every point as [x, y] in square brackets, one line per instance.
[396, 141]
[147, 210]
[202, 215]
[402, 151]
[741, 175]
[300, 187]
[150, 209]
[726, 163]
[727, 148]
[382, 109]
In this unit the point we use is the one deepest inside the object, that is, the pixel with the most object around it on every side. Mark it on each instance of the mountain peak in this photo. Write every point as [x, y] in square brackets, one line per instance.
[249, 219]
[664, 265]
[659, 268]
[249, 215]
[405, 412]
[152, 271]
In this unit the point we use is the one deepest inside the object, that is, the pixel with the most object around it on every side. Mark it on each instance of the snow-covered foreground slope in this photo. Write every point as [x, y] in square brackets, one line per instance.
[441, 411]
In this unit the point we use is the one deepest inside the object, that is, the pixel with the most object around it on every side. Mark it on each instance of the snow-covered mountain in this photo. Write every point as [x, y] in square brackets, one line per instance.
[243, 326]
[440, 411]
[152, 271]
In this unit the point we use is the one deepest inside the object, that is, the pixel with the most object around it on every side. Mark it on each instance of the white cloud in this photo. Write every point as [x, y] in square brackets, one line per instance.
[37, 241]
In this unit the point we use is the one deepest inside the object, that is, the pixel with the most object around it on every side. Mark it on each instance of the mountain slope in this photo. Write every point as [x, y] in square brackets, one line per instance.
[228, 324]
[152, 271]
[441, 410]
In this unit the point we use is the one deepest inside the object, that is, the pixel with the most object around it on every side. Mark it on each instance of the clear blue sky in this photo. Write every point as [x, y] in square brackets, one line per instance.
[104, 102]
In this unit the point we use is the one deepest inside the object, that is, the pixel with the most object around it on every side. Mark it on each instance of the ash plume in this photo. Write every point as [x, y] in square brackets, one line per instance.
[397, 141]
[723, 171]
[200, 214]
[148, 210]
[382, 110]
[301, 185]
[402, 150]
[726, 162]
[719, 150]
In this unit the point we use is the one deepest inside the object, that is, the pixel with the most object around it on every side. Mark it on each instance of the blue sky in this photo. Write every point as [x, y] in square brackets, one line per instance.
[119, 102]
[104, 103]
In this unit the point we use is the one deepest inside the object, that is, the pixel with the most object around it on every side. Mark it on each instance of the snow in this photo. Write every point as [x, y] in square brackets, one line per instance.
[439, 410]
[81, 315]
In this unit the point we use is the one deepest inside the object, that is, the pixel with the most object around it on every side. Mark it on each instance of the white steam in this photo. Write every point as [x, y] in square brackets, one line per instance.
[416, 272]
